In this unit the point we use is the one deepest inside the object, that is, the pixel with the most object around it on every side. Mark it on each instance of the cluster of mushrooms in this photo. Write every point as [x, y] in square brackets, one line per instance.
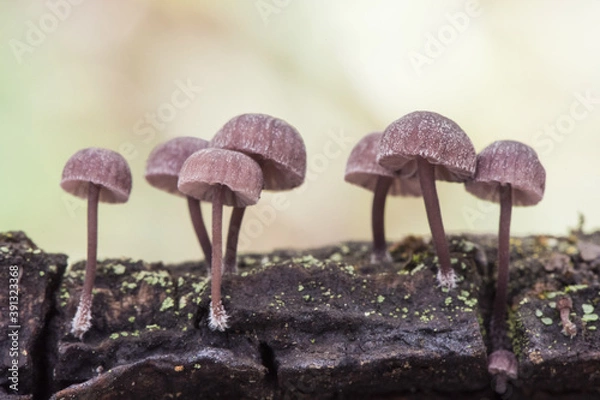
[250, 153]
[255, 152]
[422, 147]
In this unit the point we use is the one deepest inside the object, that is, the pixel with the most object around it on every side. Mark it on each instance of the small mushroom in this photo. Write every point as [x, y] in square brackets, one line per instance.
[162, 172]
[564, 306]
[279, 150]
[362, 170]
[510, 173]
[98, 175]
[223, 177]
[436, 148]
[502, 365]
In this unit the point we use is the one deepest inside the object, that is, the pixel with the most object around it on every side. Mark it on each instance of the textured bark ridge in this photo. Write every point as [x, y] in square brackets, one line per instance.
[38, 277]
[318, 324]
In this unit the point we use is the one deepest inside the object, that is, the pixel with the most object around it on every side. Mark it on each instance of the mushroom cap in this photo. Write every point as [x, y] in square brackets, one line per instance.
[564, 302]
[207, 170]
[362, 169]
[503, 362]
[105, 168]
[433, 137]
[273, 143]
[507, 162]
[166, 160]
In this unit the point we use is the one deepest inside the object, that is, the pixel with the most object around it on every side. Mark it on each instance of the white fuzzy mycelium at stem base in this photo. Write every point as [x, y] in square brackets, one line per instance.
[218, 317]
[447, 281]
[376, 259]
[82, 321]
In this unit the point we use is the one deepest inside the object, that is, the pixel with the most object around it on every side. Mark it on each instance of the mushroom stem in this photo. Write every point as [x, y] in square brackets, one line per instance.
[218, 316]
[426, 173]
[200, 228]
[82, 320]
[565, 305]
[235, 224]
[501, 383]
[498, 324]
[380, 253]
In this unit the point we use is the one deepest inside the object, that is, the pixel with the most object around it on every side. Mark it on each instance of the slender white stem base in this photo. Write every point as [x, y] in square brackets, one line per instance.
[82, 321]
[218, 317]
[447, 280]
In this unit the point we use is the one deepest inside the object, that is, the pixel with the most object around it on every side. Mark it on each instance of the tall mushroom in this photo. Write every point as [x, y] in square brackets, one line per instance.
[362, 170]
[279, 150]
[223, 177]
[98, 175]
[162, 172]
[510, 173]
[438, 149]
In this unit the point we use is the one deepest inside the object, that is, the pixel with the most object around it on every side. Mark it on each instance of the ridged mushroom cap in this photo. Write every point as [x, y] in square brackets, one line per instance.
[433, 137]
[273, 143]
[166, 160]
[103, 167]
[363, 170]
[207, 170]
[507, 162]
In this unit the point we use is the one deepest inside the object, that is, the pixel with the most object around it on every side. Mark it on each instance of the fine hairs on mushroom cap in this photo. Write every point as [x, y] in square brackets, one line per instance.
[166, 159]
[437, 148]
[210, 171]
[508, 162]
[223, 177]
[162, 172]
[431, 136]
[102, 167]
[99, 175]
[362, 170]
[279, 150]
[273, 143]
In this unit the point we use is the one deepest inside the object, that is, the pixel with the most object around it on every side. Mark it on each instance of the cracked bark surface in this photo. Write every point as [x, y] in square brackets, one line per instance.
[315, 324]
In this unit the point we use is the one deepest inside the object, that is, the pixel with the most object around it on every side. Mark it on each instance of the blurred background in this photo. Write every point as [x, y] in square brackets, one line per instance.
[127, 75]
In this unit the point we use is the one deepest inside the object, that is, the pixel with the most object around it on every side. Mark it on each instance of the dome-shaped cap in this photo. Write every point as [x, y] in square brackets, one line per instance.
[207, 170]
[507, 162]
[503, 362]
[432, 136]
[362, 169]
[103, 167]
[273, 143]
[166, 160]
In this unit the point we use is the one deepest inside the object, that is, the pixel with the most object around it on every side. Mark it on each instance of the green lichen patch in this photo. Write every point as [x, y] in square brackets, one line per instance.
[118, 269]
[589, 317]
[154, 278]
[587, 308]
[167, 303]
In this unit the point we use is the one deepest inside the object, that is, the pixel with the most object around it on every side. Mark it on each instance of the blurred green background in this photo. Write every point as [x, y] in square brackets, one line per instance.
[85, 73]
